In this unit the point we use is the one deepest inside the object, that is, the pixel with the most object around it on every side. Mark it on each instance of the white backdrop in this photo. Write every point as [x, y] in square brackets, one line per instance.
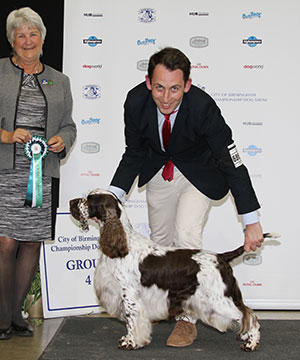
[246, 56]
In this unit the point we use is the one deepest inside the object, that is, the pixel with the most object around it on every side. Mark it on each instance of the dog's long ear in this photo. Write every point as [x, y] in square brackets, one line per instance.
[113, 241]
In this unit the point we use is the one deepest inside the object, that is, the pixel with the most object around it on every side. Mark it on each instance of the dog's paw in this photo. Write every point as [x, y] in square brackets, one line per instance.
[126, 343]
[250, 346]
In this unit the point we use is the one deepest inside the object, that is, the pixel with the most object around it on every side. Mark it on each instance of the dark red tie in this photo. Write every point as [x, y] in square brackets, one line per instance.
[168, 170]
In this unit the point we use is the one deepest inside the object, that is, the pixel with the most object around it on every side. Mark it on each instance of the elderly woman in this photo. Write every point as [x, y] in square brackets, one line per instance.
[35, 108]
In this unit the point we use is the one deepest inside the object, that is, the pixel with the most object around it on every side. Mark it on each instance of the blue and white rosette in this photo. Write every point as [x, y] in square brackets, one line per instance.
[35, 150]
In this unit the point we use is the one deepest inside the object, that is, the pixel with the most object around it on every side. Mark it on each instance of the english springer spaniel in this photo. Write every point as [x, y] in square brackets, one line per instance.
[141, 282]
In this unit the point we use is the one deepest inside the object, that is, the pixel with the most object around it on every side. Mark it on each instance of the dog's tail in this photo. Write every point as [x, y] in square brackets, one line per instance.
[230, 255]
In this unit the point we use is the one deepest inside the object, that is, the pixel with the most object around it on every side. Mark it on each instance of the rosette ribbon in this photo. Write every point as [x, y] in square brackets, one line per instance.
[35, 150]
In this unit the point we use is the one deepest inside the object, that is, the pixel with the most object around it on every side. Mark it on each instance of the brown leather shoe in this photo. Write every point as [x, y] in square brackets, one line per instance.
[183, 334]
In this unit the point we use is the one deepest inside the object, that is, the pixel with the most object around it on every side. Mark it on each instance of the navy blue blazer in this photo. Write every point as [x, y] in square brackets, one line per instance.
[198, 147]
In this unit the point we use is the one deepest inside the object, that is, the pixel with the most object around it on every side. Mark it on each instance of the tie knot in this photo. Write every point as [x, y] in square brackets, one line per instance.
[167, 116]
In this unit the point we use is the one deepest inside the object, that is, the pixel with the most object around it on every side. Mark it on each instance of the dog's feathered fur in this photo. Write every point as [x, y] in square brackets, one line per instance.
[139, 281]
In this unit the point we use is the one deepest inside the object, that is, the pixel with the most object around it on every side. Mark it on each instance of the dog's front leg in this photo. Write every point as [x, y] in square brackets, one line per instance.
[138, 325]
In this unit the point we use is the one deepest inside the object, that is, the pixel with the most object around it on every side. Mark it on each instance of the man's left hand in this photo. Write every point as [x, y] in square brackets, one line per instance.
[253, 237]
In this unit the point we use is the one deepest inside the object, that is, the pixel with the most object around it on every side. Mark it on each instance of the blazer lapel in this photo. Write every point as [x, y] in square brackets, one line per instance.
[151, 119]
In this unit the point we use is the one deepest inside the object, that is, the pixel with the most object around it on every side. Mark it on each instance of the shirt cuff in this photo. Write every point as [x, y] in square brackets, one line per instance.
[250, 218]
[120, 193]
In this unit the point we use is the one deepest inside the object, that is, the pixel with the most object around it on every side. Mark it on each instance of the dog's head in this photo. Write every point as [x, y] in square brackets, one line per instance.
[106, 208]
[103, 205]
[99, 204]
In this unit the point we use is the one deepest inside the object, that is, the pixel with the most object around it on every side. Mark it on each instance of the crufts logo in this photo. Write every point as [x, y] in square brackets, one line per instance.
[252, 15]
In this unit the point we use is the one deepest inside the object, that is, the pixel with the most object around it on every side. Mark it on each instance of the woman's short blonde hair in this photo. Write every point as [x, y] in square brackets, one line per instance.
[24, 16]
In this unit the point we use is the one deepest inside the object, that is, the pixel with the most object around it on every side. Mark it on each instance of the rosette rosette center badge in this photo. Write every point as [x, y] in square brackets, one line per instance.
[35, 150]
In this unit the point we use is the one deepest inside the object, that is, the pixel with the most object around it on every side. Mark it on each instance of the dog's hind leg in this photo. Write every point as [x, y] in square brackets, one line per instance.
[138, 325]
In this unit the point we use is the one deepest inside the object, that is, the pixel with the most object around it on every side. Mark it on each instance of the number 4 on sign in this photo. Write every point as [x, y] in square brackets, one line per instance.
[88, 280]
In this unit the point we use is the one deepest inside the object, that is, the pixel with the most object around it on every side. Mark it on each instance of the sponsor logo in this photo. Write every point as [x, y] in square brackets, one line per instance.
[253, 67]
[142, 65]
[252, 259]
[199, 66]
[91, 92]
[252, 15]
[93, 15]
[89, 173]
[147, 15]
[252, 41]
[146, 42]
[252, 150]
[92, 41]
[90, 147]
[90, 121]
[96, 66]
[198, 13]
[252, 123]
[252, 283]
[198, 41]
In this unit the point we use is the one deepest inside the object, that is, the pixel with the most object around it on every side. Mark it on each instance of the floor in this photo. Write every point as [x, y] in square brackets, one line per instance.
[19, 348]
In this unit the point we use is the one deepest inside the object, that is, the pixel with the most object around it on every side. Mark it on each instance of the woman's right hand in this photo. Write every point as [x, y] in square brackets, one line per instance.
[20, 136]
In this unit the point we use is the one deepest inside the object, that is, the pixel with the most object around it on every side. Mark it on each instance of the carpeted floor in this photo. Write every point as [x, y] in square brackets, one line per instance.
[97, 338]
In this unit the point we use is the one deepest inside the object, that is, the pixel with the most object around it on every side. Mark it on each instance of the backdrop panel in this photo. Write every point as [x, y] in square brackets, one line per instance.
[246, 57]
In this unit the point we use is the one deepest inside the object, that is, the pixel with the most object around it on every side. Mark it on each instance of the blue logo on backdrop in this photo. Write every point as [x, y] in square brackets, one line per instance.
[147, 15]
[91, 92]
[252, 150]
[252, 41]
[252, 15]
[90, 121]
[146, 42]
[92, 41]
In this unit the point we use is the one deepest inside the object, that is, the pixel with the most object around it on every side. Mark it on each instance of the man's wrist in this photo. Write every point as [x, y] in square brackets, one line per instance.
[250, 218]
[120, 193]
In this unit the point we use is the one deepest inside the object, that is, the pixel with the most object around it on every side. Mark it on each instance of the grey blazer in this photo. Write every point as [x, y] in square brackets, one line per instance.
[55, 87]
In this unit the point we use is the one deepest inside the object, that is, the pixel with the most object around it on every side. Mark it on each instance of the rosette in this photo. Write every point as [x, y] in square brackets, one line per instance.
[35, 150]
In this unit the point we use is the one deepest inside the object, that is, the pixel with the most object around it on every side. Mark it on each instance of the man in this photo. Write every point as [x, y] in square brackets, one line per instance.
[180, 146]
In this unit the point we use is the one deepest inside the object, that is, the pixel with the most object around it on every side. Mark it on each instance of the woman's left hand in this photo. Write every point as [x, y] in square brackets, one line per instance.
[56, 144]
